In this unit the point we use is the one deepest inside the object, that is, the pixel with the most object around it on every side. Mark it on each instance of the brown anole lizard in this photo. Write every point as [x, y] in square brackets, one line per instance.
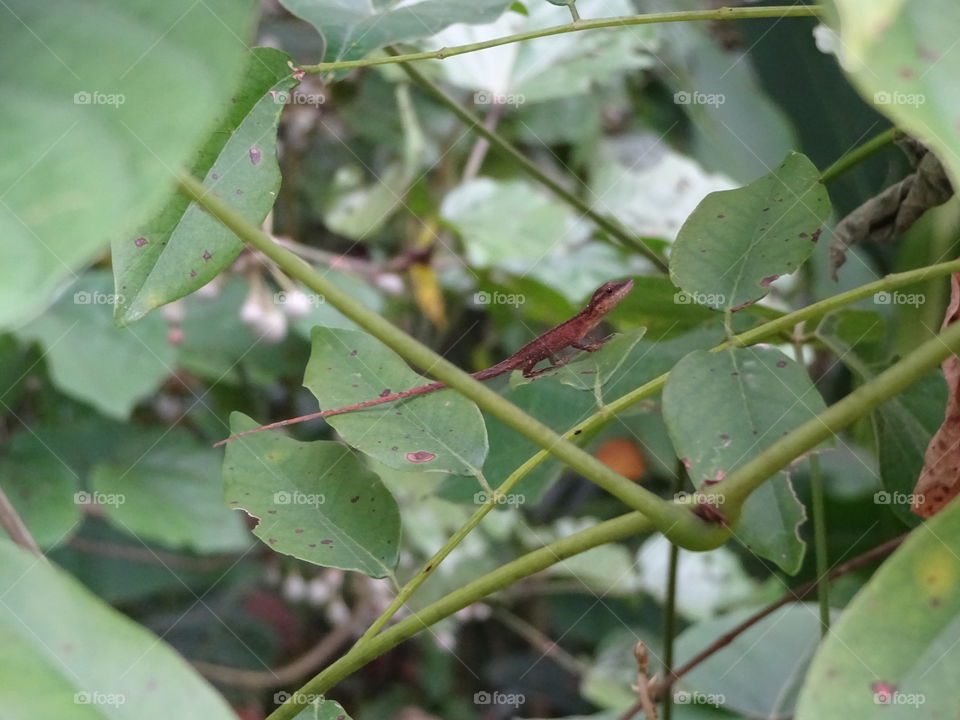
[569, 333]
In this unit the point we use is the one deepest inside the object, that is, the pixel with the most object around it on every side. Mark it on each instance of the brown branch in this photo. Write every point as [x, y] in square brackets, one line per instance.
[287, 674]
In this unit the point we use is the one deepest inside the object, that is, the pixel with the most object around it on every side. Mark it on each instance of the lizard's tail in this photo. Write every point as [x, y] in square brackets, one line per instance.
[382, 400]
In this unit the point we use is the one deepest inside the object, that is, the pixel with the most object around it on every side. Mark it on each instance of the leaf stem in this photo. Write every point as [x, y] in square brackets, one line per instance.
[858, 154]
[725, 13]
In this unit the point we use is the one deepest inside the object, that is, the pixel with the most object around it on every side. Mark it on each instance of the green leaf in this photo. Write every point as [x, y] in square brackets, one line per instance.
[900, 56]
[41, 488]
[160, 489]
[182, 248]
[92, 360]
[897, 638]
[89, 150]
[759, 673]
[737, 242]
[721, 410]
[73, 656]
[315, 501]
[351, 30]
[441, 431]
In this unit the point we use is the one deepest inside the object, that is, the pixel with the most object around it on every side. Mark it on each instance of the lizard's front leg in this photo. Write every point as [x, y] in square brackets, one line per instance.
[555, 362]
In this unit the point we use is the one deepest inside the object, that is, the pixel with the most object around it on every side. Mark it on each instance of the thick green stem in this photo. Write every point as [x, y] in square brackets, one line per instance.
[676, 522]
[606, 532]
[857, 404]
[740, 13]
[610, 225]
[820, 543]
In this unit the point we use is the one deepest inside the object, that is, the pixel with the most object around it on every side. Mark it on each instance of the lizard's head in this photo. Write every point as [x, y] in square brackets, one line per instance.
[610, 294]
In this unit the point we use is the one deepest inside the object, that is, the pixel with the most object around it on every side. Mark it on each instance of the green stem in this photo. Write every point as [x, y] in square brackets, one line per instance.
[670, 602]
[857, 404]
[858, 155]
[612, 226]
[820, 543]
[609, 531]
[741, 13]
[675, 521]
[819, 516]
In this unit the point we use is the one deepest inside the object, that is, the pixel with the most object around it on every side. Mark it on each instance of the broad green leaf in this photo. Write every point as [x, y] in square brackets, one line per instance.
[351, 30]
[724, 408]
[315, 501]
[41, 488]
[892, 654]
[110, 108]
[182, 247]
[558, 66]
[901, 57]
[75, 657]
[760, 672]
[441, 431]
[904, 424]
[92, 360]
[160, 488]
[737, 242]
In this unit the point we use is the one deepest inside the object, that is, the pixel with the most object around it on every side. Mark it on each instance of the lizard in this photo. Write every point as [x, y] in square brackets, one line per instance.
[568, 334]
